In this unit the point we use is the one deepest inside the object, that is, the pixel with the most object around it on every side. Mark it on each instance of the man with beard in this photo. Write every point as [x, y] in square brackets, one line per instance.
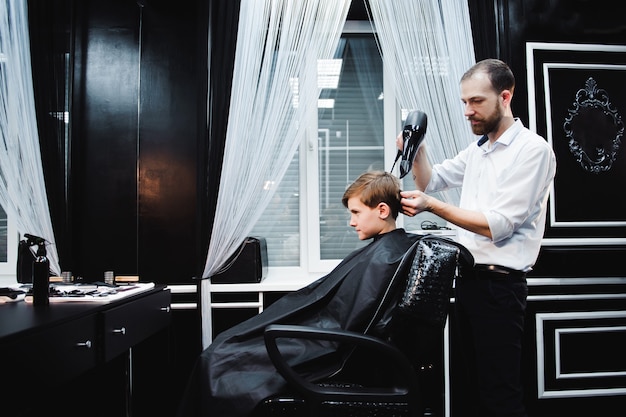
[505, 178]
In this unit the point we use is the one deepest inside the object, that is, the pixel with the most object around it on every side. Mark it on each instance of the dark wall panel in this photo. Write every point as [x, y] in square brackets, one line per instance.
[104, 138]
[171, 71]
[139, 99]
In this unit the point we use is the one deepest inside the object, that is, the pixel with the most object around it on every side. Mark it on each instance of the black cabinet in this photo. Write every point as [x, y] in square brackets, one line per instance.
[52, 355]
[75, 358]
[128, 324]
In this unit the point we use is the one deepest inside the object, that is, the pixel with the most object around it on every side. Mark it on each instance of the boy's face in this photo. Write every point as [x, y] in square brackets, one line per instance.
[366, 221]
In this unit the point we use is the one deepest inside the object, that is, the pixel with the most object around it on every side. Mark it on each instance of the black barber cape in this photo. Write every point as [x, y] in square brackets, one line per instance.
[235, 373]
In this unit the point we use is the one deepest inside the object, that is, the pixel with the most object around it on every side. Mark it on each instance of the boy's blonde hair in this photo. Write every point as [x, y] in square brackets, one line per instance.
[373, 188]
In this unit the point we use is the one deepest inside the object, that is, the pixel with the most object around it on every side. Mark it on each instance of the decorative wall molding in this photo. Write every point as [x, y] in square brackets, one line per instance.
[564, 374]
[577, 100]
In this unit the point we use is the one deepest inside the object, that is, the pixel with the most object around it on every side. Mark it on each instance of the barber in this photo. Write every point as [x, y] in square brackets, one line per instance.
[505, 178]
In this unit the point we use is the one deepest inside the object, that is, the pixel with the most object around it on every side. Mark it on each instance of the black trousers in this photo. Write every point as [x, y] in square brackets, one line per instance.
[489, 314]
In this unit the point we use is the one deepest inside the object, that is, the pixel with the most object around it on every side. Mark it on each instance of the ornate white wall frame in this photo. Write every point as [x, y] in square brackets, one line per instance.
[577, 101]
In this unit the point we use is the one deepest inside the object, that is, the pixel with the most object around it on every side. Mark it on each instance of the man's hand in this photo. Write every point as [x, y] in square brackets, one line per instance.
[400, 142]
[414, 202]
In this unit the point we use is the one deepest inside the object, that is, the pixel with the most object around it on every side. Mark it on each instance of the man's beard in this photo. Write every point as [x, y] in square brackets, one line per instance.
[489, 124]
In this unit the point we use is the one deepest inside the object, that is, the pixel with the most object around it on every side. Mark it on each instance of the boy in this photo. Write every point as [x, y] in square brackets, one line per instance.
[234, 373]
[374, 203]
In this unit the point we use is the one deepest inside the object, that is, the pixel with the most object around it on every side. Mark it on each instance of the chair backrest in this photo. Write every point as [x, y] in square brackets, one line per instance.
[421, 287]
[429, 283]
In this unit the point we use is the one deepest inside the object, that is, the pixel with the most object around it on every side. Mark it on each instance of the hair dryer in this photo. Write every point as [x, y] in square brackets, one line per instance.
[412, 136]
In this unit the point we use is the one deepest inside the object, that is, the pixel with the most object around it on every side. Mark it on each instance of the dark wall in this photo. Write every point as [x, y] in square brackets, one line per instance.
[503, 27]
[139, 93]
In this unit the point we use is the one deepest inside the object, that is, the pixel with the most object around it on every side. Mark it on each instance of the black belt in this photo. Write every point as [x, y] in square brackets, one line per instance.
[498, 272]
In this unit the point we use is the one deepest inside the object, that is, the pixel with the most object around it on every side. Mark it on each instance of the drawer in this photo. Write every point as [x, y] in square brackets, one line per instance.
[44, 359]
[129, 324]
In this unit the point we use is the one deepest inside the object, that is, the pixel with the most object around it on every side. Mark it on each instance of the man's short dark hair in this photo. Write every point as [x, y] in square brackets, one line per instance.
[499, 74]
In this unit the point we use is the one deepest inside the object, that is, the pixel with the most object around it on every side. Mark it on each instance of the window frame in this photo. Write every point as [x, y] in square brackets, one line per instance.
[311, 266]
[8, 269]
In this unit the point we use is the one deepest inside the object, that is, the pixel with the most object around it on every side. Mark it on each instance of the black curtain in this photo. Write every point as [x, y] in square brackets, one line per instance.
[486, 28]
[222, 40]
[49, 29]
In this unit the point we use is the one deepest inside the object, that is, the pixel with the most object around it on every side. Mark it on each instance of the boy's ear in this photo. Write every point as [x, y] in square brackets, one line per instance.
[384, 210]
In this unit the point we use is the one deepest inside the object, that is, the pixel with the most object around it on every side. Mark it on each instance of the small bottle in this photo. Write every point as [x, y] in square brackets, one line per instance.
[41, 277]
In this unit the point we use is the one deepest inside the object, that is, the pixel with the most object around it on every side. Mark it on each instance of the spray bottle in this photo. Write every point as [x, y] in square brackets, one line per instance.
[41, 272]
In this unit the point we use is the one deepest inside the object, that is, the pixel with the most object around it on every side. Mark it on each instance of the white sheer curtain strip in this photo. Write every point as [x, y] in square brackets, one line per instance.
[22, 187]
[274, 93]
[426, 47]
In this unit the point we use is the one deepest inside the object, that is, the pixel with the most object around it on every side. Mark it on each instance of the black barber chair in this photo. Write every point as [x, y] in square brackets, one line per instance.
[396, 375]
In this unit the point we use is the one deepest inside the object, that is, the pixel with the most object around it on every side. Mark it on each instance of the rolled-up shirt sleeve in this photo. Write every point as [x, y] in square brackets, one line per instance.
[520, 190]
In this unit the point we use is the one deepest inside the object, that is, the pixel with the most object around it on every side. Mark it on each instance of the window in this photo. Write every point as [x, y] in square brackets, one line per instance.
[8, 250]
[306, 226]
